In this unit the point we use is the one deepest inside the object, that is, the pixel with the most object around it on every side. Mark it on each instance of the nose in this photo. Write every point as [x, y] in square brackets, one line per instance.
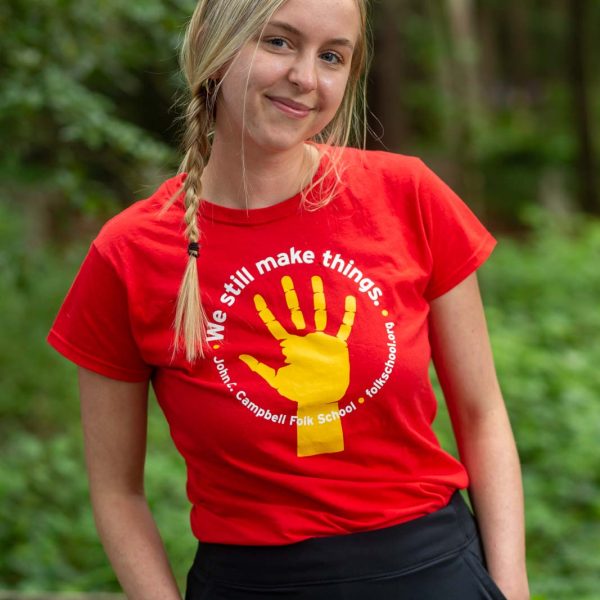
[303, 72]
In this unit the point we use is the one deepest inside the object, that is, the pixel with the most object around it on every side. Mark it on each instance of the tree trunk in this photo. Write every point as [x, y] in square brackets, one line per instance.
[466, 56]
[586, 160]
[520, 48]
[491, 75]
[389, 74]
[468, 99]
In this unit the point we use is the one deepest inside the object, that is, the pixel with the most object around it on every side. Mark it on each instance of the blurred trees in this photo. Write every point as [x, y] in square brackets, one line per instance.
[501, 96]
[85, 100]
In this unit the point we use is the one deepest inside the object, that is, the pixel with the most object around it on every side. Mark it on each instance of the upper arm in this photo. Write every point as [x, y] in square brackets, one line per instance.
[114, 419]
[462, 353]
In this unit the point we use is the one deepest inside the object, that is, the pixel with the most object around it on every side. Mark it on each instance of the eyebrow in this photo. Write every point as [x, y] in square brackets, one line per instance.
[291, 29]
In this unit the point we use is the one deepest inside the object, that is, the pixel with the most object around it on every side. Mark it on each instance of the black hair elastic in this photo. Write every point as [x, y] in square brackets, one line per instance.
[194, 249]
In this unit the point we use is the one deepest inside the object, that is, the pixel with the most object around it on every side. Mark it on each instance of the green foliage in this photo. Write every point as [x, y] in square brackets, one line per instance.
[547, 322]
[87, 94]
[81, 87]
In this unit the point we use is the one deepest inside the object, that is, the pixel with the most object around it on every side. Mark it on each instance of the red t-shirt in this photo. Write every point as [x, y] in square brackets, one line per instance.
[311, 416]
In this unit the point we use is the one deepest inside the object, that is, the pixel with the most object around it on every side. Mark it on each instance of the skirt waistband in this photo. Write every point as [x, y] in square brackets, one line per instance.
[396, 549]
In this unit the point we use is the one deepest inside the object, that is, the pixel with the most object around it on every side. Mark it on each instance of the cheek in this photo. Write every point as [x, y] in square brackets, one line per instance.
[333, 88]
[267, 73]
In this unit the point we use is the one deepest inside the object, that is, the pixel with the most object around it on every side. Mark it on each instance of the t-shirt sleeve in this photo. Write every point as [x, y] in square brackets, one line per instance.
[93, 327]
[458, 242]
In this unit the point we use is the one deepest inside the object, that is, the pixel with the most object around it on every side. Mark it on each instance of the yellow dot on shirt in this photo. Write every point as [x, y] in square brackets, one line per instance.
[361, 400]
[385, 313]
[216, 347]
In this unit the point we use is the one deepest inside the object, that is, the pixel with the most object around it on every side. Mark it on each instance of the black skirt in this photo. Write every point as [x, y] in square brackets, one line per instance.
[435, 557]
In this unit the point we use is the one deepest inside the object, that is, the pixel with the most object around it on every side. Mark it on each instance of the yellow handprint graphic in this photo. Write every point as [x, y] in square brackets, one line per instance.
[317, 370]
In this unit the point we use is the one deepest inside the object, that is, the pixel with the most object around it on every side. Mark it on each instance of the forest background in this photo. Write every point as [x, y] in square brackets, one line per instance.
[501, 97]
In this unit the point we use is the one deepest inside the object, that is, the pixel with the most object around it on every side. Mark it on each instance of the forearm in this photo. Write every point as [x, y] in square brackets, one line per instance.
[489, 453]
[134, 547]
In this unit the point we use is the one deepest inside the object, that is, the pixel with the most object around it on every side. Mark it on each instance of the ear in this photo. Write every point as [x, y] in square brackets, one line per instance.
[220, 73]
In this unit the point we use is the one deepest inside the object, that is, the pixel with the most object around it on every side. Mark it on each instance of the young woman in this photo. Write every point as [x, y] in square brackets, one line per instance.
[284, 294]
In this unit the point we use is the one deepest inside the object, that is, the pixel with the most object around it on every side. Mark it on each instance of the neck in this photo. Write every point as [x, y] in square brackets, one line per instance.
[261, 180]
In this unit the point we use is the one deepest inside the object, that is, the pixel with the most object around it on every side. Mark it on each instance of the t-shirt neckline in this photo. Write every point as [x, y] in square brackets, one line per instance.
[284, 208]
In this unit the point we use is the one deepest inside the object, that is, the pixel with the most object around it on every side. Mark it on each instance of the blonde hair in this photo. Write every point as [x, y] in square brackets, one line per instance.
[217, 31]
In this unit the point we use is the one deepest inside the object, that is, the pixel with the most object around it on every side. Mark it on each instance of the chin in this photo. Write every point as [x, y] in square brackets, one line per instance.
[280, 143]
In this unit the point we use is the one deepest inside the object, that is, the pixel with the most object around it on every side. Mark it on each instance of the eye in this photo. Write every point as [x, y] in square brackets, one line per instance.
[277, 42]
[332, 58]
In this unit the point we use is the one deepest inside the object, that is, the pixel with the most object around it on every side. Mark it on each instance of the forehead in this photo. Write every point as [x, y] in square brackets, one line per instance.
[323, 18]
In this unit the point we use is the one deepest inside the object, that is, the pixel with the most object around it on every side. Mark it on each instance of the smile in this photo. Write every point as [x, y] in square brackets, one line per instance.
[292, 109]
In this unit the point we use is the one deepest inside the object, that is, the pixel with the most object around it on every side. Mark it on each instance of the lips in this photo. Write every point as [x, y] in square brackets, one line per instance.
[290, 106]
